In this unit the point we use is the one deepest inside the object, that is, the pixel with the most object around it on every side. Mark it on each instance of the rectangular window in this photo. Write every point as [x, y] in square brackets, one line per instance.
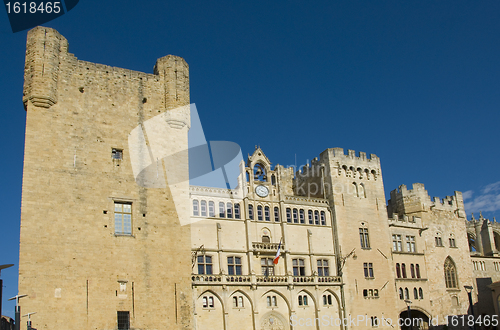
[299, 268]
[410, 244]
[123, 218]
[397, 244]
[364, 239]
[368, 268]
[267, 266]
[236, 211]
[452, 242]
[123, 319]
[323, 269]
[117, 154]
[439, 241]
[234, 265]
[204, 264]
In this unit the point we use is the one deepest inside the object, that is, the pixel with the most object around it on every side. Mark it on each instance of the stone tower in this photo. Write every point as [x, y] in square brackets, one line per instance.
[354, 188]
[100, 246]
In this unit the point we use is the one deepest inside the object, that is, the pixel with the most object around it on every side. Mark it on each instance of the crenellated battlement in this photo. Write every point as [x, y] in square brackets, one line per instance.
[417, 199]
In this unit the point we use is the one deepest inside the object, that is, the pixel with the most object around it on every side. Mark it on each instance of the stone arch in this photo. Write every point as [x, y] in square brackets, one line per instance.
[243, 293]
[266, 232]
[273, 321]
[313, 298]
[241, 317]
[416, 313]
[471, 239]
[210, 317]
[279, 294]
[216, 295]
[362, 190]
[333, 294]
[354, 188]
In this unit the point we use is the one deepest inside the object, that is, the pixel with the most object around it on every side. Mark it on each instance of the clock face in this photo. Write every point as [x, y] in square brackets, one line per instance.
[262, 191]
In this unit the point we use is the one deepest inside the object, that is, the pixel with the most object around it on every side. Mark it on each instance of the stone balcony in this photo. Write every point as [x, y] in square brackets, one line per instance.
[256, 280]
[266, 247]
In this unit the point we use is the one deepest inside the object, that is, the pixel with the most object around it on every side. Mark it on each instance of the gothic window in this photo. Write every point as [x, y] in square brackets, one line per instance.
[259, 172]
[222, 210]
[238, 302]
[364, 238]
[204, 264]
[208, 302]
[229, 207]
[123, 218]
[438, 239]
[295, 216]
[267, 214]
[450, 274]
[250, 212]
[288, 215]
[316, 217]
[323, 218]
[362, 192]
[303, 300]
[452, 242]
[259, 213]
[355, 189]
[421, 293]
[276, 214]
[271, 301]
[401, 296]
[412, 270]
[407, 294]
[310, 216]
[374, 321]
[299, 268]
[273, 179]
[302, 216]
[327, 300]
[415, 293]
[417, 270]
[237, 211]
[403, 270]
[323, 269]
[211, 209]
[234, 265]
[196, 205]
[398, 270]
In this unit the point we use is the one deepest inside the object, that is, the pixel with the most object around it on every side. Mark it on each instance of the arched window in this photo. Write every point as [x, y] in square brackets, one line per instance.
[222, 210]
[288, 215]
[276, 214]
[266, 239]
[362, 192]
[196, 210]
[355, 189]
[236, 211]
[415, 293]
[203, 208]
[295, 216]
[267, 214]
[417, 270]
[407, 294]
[323, 218]
[450, 273]
[412, 270]
[211, 209]
[259, 172]
[310, 215]
[472, 243]
[401, 296]
[398, 270]
[259, 213]
[421, 293]
[403, 270]
[229, 207]
[302, 216]
[273, 179]
[250, 211]
[316, 217]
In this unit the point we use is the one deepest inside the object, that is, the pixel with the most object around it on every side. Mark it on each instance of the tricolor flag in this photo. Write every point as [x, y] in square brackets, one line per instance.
[277, 257]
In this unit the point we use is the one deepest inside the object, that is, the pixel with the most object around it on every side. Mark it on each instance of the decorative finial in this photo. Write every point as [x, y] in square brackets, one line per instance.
[481, 215]
[472, 216]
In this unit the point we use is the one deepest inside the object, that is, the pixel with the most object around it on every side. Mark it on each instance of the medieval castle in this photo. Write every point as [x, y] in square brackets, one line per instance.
[107, 244]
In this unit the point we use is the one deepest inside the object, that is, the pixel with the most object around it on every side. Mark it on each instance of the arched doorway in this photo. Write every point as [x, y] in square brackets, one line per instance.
[419, 320]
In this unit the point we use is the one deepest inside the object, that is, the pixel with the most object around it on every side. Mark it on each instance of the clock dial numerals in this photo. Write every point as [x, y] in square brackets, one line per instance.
[261, 191]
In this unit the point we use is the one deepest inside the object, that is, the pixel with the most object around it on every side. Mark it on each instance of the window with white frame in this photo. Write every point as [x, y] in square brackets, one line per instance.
[288, 214]
[267, 213]
[410, 244]
[267, 266]
[237, 211]
[299, 268]
[196, 207]
[295, 216]
[211, 209]
[302, 217]
[364, 238]
[323, 218]
[310, 217]
[229, 208]
[222, 210]
[123, 218]
[397, 244]
[276, 214]
[203, 208]
[259, 213]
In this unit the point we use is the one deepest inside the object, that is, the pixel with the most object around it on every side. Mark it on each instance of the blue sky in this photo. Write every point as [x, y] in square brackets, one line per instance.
[416, 83]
